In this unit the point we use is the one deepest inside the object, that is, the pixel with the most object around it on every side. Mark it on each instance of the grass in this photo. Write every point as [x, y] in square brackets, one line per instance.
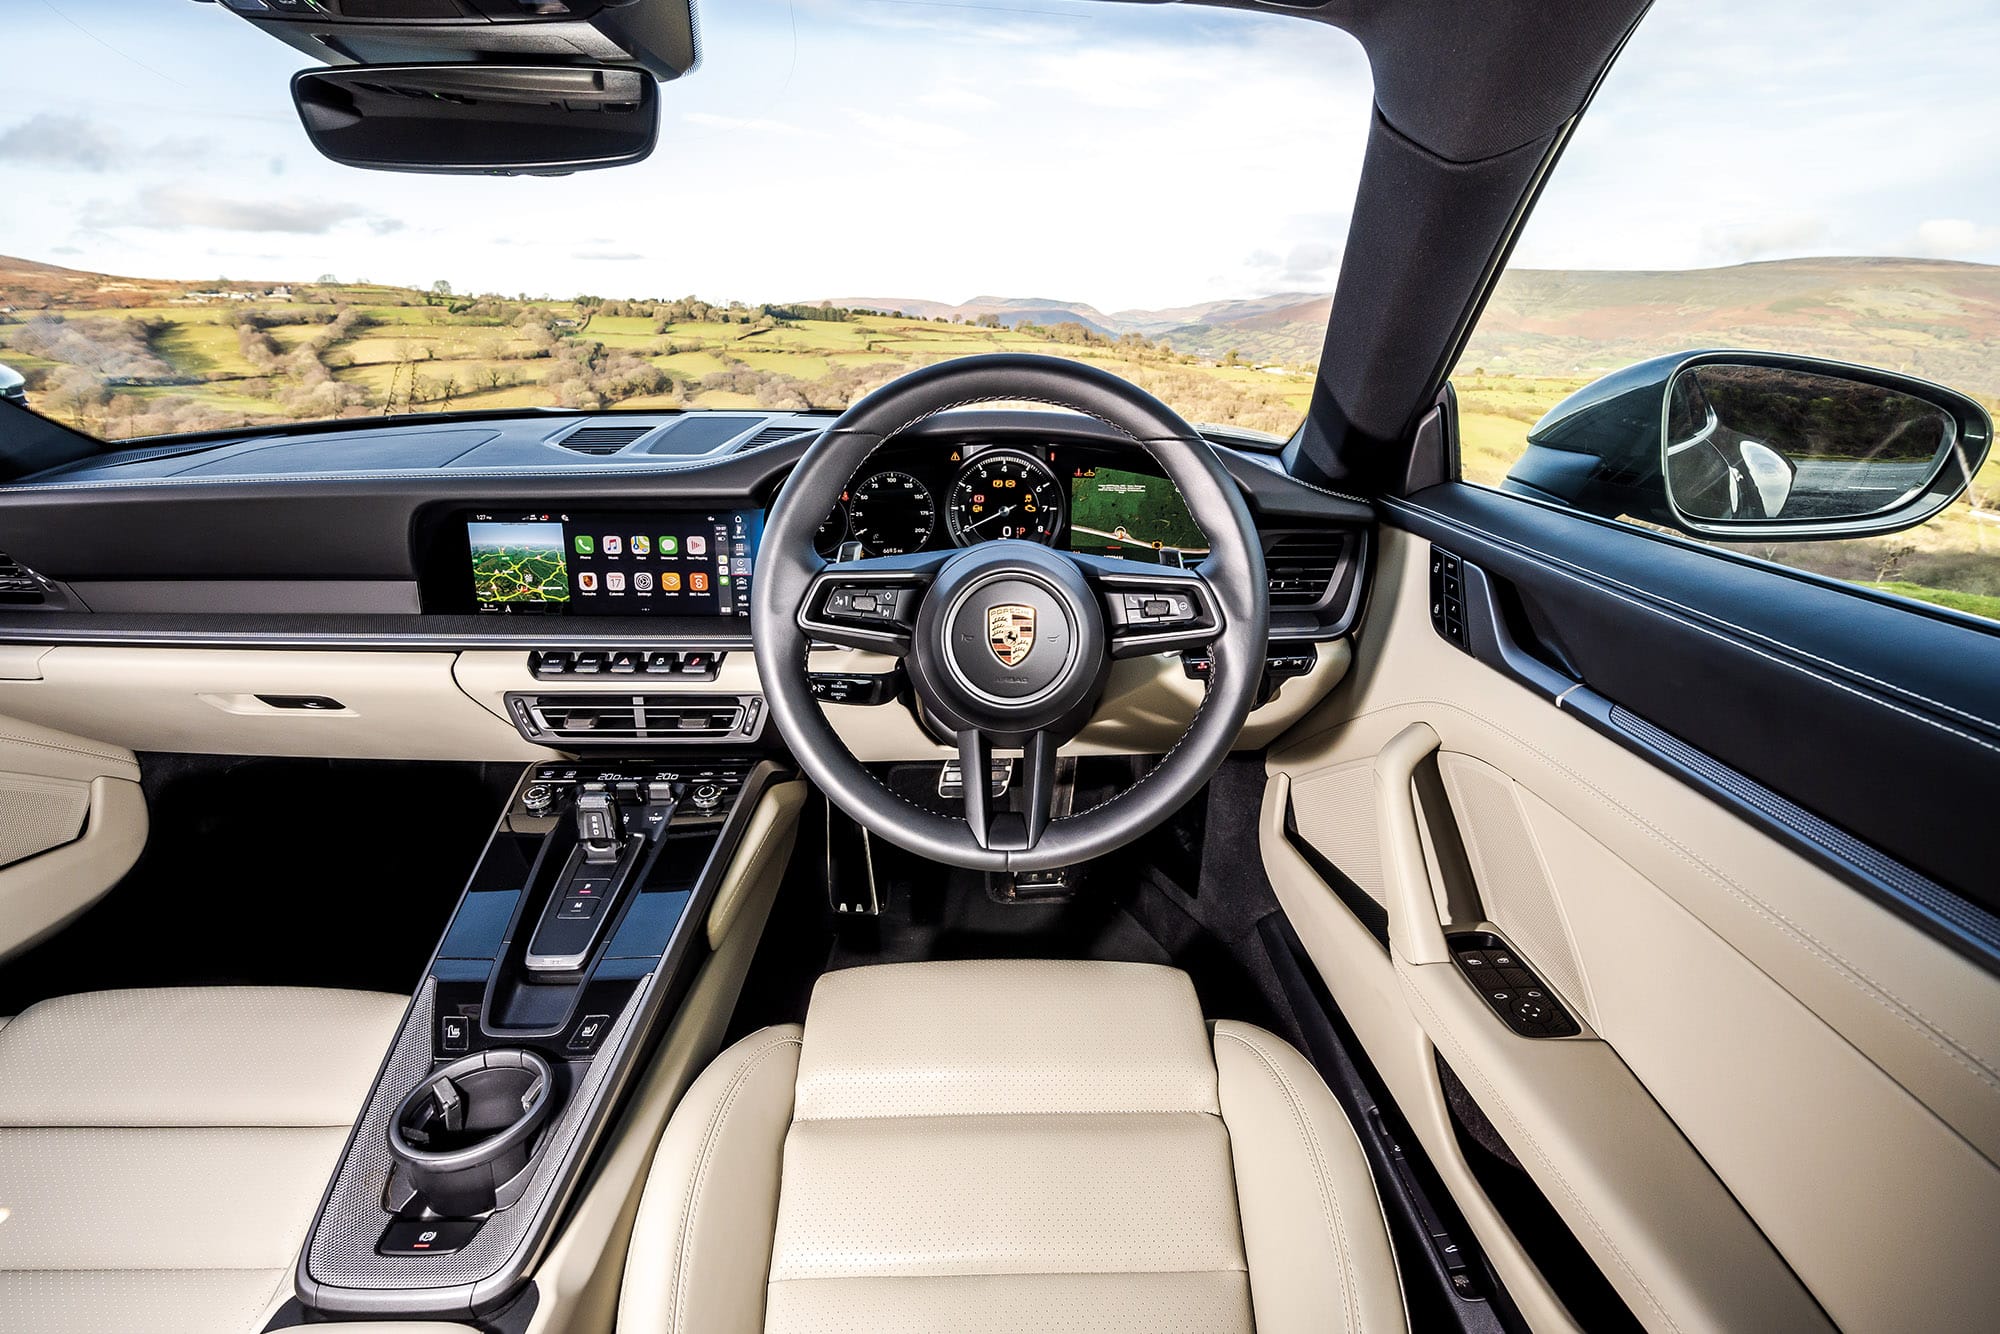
[1974, 604]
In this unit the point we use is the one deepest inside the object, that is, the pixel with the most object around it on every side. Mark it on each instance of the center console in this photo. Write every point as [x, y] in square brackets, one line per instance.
[578, 930]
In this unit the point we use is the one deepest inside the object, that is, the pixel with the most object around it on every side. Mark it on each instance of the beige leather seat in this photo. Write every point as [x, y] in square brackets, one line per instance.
[162, 1152]
[1009, 1146]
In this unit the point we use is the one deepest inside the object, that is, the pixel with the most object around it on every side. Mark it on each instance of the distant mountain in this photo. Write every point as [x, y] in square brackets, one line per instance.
[1011, 310]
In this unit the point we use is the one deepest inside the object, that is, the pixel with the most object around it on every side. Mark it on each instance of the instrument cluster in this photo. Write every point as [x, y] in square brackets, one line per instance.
[929, 498]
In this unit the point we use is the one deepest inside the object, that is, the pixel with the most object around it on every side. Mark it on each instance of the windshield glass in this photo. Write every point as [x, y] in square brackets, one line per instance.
[841, 192]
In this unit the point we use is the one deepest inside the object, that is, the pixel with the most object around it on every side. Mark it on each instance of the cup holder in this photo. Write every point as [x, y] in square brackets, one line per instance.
[464, 1134]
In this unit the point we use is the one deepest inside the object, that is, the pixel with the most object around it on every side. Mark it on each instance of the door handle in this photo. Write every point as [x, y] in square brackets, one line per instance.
[1415, 933]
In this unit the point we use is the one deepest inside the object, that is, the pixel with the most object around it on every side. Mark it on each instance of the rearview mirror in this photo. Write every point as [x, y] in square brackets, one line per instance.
[1757, 445]
[546, 120]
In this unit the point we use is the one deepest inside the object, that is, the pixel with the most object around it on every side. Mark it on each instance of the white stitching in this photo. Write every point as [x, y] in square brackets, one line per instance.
[1329, 1200]
[700, 1176]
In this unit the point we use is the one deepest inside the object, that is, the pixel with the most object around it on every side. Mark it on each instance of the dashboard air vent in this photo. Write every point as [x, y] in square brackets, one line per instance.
[602, 439]
[1301, 567]
[637, 718]
[771, 435]
[18, 588]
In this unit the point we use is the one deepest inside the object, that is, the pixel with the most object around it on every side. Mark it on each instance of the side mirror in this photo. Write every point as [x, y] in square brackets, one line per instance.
[1758, 445]
[508, 120]
[13, 386]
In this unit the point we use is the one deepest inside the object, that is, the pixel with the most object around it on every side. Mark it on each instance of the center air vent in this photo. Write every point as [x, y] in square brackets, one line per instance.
[580, 718]
[1301, 567]
[602, 439]
[18, 588]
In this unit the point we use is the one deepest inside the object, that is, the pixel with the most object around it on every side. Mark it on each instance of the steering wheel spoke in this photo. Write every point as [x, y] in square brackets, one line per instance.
[871, 603]
[1008, 830]
[1153, 608]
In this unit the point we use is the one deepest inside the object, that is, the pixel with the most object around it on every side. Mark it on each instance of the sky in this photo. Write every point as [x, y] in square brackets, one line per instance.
[1126, 156]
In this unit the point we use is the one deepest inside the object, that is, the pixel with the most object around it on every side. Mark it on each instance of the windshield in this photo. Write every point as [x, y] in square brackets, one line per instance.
[841, 192]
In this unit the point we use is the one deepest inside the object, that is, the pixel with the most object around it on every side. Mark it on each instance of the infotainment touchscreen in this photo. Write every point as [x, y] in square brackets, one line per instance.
[634, 563]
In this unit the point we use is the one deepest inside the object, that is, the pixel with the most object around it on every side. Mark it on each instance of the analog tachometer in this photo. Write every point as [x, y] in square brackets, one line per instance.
[1005, 494]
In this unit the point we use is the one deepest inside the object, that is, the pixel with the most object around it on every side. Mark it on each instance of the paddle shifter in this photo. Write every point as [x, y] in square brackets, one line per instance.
[609, 848]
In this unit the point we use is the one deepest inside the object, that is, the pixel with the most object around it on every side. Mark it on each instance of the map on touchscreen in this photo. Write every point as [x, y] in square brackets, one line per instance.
[518, 562]
[1128, 514]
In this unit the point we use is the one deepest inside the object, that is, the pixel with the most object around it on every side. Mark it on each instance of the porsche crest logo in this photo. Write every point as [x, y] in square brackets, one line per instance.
[1010, 632]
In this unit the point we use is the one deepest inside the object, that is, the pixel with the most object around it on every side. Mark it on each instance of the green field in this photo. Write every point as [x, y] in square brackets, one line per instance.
[346, 351]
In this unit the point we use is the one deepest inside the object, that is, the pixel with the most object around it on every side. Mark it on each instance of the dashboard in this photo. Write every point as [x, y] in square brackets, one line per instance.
[483, 530]
[409, 589]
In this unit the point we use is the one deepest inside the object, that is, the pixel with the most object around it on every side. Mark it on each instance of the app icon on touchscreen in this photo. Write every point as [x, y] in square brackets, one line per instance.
[613, 545]
[670, 583]
[698, 582]
[587, 581]
[670, 546]
[642, 582]
[585, 544]
[615, 581]
[697, 546]
[642, 546]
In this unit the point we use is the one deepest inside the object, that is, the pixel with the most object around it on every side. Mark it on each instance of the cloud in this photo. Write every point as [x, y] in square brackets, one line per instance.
[896, 131]
[170, 207]
[754, 124]
[1766, 238]
[1955, 238]
[617, 255]
[1307, 264]
[60, 141]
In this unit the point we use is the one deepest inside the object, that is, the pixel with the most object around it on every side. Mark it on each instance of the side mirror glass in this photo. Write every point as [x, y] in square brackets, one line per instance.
[1757, 446]
[479, 119]
[1750, 444]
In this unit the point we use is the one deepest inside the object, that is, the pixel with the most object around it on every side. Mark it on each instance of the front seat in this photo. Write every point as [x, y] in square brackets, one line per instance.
[162, 1151]
[1003, 1145]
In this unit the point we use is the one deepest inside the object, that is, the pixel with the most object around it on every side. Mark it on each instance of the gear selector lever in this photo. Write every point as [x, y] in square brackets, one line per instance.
[597, 824]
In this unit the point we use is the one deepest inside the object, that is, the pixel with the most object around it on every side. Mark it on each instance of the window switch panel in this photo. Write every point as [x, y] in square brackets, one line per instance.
[1510, 987]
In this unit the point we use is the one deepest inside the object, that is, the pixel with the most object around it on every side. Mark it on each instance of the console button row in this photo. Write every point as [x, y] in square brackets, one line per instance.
[623, 662]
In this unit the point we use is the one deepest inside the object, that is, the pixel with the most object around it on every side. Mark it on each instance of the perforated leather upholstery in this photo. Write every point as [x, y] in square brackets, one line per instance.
[162, 1151]
[1002, 1145]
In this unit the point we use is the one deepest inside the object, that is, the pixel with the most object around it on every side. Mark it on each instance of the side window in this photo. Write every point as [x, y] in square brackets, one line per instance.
[1822, 190]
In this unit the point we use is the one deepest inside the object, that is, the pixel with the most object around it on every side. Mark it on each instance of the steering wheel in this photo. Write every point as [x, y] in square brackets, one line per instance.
[1007, 643]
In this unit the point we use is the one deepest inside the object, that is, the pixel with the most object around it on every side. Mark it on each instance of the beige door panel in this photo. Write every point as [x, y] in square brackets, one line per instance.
[72, 822]
[1790, 1027]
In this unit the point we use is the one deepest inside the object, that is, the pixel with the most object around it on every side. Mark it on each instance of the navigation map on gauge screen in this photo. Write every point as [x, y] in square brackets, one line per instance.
[1129, 514]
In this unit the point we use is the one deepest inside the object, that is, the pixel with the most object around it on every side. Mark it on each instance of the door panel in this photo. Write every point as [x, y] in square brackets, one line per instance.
[1782, 1054]
[72, 821]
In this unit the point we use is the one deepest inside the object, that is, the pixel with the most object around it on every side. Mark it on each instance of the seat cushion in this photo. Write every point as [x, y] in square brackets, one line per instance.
[1010, 1145]
[162, 1151]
